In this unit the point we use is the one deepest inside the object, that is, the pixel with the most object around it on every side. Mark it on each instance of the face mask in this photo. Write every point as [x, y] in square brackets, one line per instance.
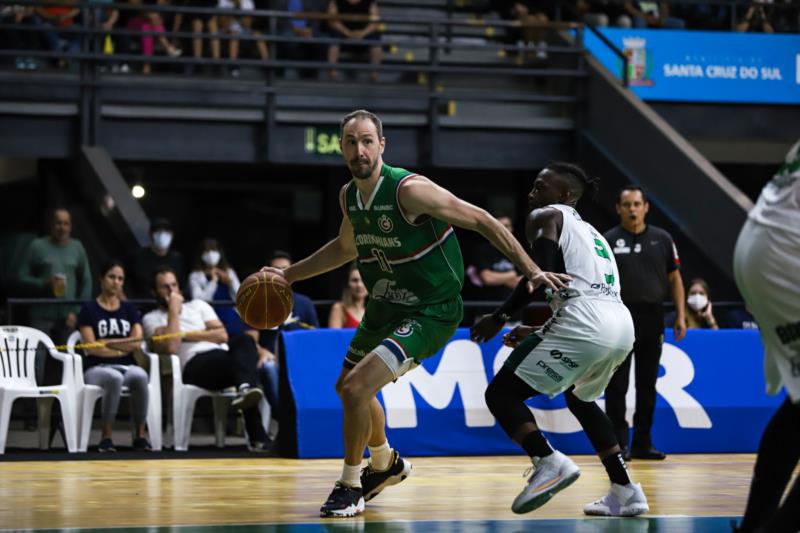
[210, 257]
[162, 240]
[697, 301]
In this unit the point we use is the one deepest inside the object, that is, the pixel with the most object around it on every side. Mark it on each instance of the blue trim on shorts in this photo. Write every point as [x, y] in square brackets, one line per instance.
[397, 352]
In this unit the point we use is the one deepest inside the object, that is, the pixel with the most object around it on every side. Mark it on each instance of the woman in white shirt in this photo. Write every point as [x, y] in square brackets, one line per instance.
[212, 280]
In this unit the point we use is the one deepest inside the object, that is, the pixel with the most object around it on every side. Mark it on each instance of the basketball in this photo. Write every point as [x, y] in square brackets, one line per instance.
[264, 300]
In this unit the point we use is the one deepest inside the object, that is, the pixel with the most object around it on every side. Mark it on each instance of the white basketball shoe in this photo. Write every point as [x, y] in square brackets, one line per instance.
[621, 500]
[551, 474]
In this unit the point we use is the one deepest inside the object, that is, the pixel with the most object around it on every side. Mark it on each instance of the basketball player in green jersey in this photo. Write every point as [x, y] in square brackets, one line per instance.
[399, 226]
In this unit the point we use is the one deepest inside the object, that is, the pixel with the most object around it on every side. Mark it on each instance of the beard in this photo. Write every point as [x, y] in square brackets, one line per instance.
[362, 169]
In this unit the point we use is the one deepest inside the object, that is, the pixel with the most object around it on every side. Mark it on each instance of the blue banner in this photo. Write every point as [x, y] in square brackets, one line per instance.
[711, 397]
[698, 66]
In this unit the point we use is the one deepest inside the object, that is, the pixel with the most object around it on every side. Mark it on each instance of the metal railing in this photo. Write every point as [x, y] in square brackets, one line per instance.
[478, 305]
[439, 39]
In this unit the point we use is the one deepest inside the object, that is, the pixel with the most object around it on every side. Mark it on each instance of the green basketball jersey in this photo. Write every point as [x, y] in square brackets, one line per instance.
[400, 262]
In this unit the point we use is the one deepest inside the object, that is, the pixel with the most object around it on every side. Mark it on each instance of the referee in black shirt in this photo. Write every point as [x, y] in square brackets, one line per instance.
[648, 267]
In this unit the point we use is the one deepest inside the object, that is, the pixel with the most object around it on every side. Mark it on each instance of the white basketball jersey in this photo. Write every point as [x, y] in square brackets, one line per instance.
[588, 260]
[778, 206]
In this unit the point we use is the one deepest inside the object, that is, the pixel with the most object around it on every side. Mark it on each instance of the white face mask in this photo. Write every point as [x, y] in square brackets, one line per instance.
[210, 257]
[162, 240]
[697, 301]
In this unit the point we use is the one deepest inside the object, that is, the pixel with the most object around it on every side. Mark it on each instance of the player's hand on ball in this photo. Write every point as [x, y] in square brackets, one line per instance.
[517, 335]
[278, 271]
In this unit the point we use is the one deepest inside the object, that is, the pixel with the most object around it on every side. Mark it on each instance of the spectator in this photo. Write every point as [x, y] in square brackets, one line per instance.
[756, 19]
[148, 258]
[212, 279]
[199, 339]
[649, 270]
[652, 15]
[496, 275]
[531, 15]
[602, 12]
[237, 25]
[199, 21]
[699, 312]
[59, 18]
[105, 19]
[348, 312]
[300, 28]
[150, 23]
[112, 367]
[355, 30]
[56, 266]
[24, 38]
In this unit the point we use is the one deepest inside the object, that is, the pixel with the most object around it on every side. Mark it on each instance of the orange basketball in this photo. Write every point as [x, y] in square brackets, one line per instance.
[264, 300]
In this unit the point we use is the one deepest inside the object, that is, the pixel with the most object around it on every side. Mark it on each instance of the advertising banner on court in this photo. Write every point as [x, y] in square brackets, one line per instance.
[711, 397]
[697, 66]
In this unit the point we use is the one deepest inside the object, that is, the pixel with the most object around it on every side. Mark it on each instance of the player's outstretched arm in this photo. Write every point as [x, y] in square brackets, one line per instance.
[420, 196]
[542, 228]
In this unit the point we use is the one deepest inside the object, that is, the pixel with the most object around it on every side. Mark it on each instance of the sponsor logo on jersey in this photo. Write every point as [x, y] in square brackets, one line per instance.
[383, 207]
[407, 328]
[563, 359]
[620, 248]
[385, 224]
[788, 332]
[369, 239]
[552, 374]
[605, 289]
[384, 289]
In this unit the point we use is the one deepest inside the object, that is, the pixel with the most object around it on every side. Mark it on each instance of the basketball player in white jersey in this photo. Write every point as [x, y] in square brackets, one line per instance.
[576, 352]
[767, 268]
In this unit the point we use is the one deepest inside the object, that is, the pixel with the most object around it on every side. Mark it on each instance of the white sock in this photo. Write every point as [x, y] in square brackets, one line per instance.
[351, 476]
[380, 457]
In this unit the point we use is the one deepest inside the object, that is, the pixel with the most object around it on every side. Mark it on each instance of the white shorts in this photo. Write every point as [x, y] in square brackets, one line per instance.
[583, 344]
[766, 264]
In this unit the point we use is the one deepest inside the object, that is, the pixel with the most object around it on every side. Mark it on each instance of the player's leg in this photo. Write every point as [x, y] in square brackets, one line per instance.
[625, 497]
[357, 388]
[357, 392]
[778, 454]
[414, 338]
[505, 397]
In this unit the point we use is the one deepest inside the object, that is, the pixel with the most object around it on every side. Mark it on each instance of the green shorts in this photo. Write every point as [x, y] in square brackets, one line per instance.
[403, 336]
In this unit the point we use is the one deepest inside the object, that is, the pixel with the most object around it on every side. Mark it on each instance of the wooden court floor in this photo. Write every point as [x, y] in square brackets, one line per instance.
[275, 493]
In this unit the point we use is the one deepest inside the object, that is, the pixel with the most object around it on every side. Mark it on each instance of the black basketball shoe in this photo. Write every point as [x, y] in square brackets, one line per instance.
[343, 501]
[373, 482]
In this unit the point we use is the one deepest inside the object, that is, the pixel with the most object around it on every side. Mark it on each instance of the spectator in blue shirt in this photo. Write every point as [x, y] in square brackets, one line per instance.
[302, 30]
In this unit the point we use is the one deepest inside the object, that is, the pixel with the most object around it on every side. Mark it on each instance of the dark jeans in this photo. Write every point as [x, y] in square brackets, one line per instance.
[648, 323]
[220, 369]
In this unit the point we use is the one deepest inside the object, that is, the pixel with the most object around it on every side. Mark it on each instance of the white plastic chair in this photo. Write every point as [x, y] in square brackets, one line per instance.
[18, 346]
[87, 396]
[184, 398]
